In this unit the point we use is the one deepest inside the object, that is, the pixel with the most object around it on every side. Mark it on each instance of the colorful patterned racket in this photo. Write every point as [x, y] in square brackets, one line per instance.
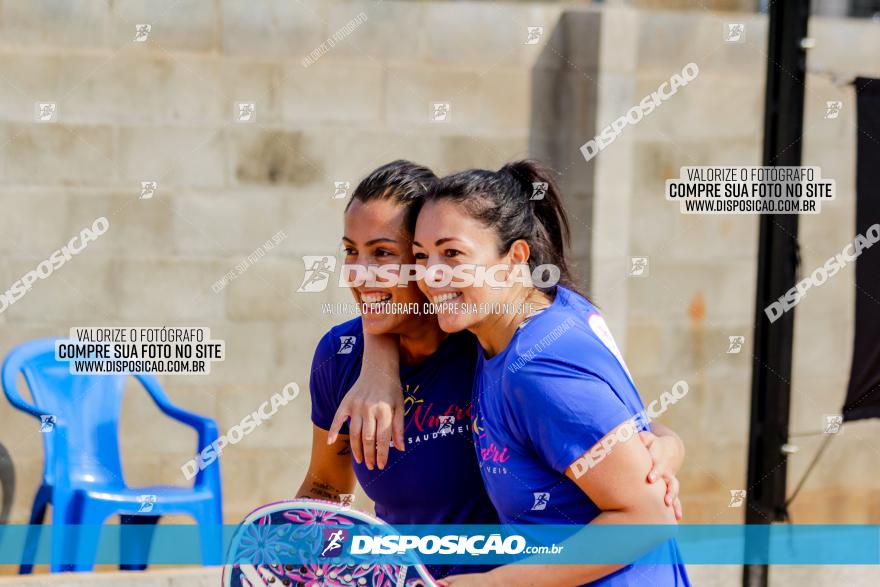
[268, 545]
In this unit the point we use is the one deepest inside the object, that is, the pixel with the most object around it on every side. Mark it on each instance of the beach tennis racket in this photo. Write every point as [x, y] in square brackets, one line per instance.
[303, 543]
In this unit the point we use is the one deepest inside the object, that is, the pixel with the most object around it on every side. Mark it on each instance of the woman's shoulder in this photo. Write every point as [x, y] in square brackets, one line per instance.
[343, 339]
[570, 337]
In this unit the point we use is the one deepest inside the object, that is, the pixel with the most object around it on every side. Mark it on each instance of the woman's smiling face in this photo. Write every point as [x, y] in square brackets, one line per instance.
[447, 236]
[376, 235]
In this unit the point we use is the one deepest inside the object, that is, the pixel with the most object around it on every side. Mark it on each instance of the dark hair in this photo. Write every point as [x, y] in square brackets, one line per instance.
[503, 201]
[402, 181]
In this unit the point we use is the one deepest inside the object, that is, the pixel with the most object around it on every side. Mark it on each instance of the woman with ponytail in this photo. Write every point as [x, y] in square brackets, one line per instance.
[557, 420]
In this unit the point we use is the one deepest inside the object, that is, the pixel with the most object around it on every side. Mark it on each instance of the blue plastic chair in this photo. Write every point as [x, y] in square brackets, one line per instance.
[82, 472]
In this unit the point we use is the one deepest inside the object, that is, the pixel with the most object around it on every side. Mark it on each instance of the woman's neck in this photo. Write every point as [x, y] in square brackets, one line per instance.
[496, 331]
[421, 341]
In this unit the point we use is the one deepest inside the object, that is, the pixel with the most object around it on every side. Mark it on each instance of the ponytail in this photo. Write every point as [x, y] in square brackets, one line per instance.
[552, 234]
[520, 201]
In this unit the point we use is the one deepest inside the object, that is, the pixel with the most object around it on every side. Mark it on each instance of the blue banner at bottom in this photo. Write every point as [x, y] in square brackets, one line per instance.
[320, 542]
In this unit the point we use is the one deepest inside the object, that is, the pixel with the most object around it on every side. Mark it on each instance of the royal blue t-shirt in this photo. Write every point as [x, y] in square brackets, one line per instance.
[557, 389]
[436, 480]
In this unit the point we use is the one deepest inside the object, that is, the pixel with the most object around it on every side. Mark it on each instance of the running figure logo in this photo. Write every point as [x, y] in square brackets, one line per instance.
[833, 422]
[146, 503]
[46, 111]
[245, 111]
[539, 190]
[541, 501]
[445, 425]
[737, 498]
[638, 266]
[832, 109]
[47, 423]
[534, 35]
[318, 271]
[141, 32]
[333, 541]
[736, 344]
[346, 345]
[148, 189]
[440, 112]
[736, 32]
[341, 188]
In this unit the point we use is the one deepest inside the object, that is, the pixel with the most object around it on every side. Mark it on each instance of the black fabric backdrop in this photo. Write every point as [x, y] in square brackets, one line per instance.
[863, 394]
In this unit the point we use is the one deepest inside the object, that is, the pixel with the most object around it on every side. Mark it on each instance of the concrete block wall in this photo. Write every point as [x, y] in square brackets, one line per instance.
[675, 322]
[163, 110]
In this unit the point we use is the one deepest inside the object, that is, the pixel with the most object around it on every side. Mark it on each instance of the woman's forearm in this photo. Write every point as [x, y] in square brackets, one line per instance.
[381, 353]
[552, 575]
[666, 434]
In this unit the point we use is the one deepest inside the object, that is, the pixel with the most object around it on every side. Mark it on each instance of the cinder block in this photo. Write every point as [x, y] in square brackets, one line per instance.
[355, 152]
[147, 88]
[714, 105]
[227, 224]
[32, 223]
[459, 152]
[644, 349]
[699, 292]
[254, 82]
[411, 92]
[141, 228]
[315, 223]
[391, 31]
[55, 153]
[669, 39]
[273, 157]
[189, 25]
[250, 355]
[322, 93]
[506, 98]
[178, 156]
[147, 435]
[34, 78]
[619, 39]
[81, 289]
[275, 28]
[183, 293]
[846, 47]
[283, 478]
[266, 291]
[60, 23]
[285, 429]
[478, 34]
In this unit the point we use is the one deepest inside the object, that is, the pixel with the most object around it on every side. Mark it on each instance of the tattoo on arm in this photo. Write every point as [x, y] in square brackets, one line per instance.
[324, 491]
[346, 450]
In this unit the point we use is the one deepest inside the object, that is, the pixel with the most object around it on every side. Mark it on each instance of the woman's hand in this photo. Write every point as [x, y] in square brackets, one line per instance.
[374, 406]
[666, 457]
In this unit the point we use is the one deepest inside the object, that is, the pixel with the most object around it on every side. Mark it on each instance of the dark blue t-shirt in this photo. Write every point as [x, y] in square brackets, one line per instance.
[436, 480]
[557, 389]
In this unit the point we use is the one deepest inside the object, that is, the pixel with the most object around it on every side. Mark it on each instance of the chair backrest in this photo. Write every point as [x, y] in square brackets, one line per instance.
[87, 406]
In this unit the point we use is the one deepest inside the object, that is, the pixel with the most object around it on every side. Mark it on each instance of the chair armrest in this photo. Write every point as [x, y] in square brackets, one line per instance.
[206, 427]
[11, 368]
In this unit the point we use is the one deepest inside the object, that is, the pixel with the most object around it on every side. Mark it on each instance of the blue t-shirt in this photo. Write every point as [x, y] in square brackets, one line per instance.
[557, 389]
[436, 480]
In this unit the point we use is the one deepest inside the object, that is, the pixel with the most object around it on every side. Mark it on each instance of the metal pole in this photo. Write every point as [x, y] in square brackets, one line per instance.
[777, 272]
